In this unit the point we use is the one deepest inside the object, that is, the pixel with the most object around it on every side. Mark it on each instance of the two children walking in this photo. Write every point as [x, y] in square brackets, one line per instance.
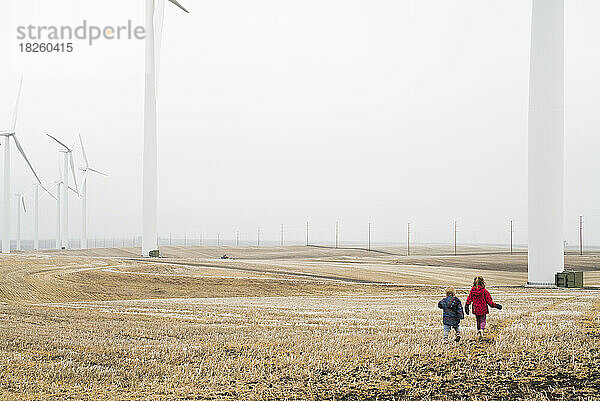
[479, 297]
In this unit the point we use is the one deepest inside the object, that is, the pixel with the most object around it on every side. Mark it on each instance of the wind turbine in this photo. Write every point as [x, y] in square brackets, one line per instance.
[20, 202]
[546, 143]
[58, 196]
[36, 202]
[67, 153]
[58, 185]
[150, 167]
[36, 218]
[86, 170]
[11, 133]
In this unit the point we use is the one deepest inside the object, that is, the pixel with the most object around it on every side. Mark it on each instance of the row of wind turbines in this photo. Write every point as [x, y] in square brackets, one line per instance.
[154, 20]
[62, 187]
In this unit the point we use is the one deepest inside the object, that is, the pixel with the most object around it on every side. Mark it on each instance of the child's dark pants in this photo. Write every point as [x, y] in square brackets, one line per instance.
[480, 322]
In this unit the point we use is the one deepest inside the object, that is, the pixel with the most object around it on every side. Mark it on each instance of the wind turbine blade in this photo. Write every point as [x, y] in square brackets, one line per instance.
[73, 170]
[60, 143]
[47, 190]
[98, 172]
[74, 191]
[13, 126]
[83, 151]
[54, 185]
[23, 203]
[26, 159]
[84, 180]
[51, 188]
[179, 5]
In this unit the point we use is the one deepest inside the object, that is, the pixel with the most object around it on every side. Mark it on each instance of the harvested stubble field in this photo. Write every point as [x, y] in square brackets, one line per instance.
[287, 323]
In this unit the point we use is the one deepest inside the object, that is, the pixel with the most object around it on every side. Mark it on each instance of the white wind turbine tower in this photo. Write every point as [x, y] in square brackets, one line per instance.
[58, 206]
[36, 218]
[546, 142]
[20, 202]
[154, 8]
[68, 164]
[60, 184]
[11, 133]
[36, 212]
[86, 170]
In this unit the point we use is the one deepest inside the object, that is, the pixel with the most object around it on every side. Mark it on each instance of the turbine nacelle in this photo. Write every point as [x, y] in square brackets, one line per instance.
[87, 169]
[68, 152]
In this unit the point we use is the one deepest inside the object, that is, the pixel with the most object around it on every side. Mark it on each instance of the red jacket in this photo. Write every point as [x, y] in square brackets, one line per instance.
[480, 298]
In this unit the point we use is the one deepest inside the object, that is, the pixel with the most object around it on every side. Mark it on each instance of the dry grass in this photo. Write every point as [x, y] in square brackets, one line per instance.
[327, 327]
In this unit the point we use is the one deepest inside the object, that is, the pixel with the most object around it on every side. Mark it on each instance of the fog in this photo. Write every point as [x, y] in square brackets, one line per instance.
[283, 112]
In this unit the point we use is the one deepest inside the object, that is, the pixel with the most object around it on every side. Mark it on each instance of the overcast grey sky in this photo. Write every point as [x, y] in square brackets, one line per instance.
[277, 112]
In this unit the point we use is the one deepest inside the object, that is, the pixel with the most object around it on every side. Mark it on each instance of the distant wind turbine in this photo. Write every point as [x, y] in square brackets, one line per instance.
[36, 203]
[58, 207]
[58, 185]
[69, 164]
[20, 202]
[150, 166]
[86, 170]
[11, 133]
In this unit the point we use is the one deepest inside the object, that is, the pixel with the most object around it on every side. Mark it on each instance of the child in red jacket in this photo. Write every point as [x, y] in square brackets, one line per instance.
[480, 298]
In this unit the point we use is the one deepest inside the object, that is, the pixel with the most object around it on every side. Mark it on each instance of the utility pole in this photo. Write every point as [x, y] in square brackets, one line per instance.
[512, 230]
[337, 234]
[307, 228]
[218, 239]
[369, 237]
[185, 239]
[258, 237]
[455, 231]
[201, 239]
[237, 238]
[408, 240]
[580, 235]
[281, 241]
